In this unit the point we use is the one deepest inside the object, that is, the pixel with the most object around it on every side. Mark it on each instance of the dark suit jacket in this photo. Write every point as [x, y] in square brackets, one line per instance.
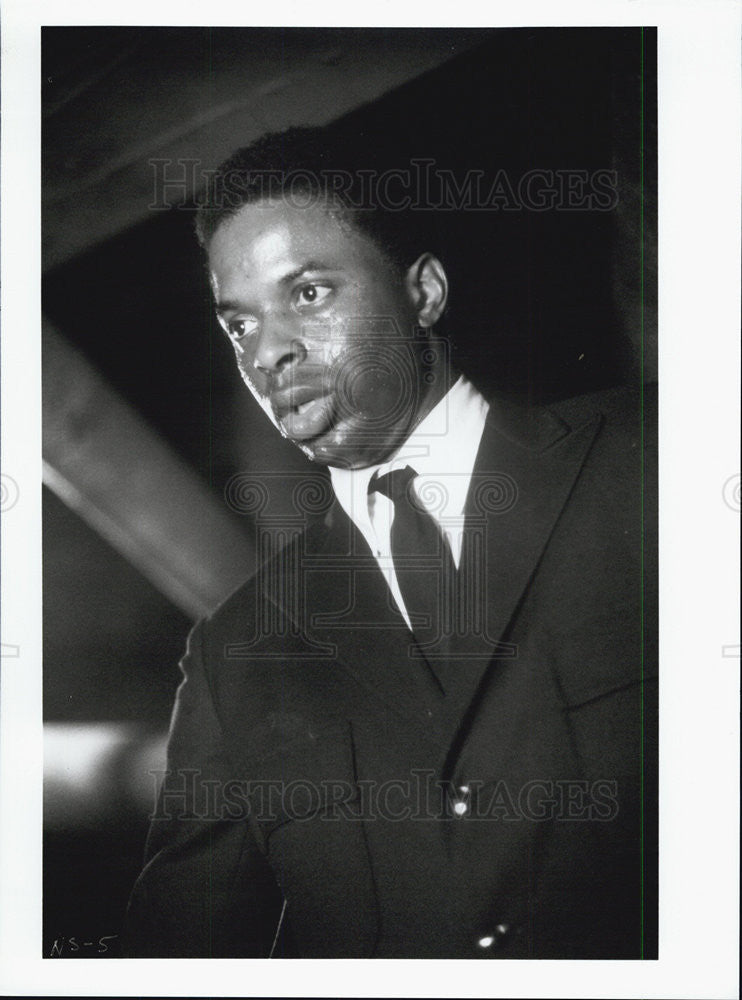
[325, 796]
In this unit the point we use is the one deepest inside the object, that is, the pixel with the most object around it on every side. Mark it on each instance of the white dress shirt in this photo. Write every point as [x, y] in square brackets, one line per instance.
[442, 450]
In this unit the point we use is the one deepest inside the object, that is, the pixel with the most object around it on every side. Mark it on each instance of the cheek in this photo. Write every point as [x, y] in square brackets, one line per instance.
[245, 363]
[377, 382]
[324, 341]
[371, 363]
[255, 382]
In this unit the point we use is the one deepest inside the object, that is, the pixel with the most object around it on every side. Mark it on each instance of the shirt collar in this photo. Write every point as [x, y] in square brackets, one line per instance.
[442, 449]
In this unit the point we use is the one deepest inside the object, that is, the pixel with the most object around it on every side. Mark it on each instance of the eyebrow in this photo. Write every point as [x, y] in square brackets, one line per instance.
[227, 305]
[311, 265]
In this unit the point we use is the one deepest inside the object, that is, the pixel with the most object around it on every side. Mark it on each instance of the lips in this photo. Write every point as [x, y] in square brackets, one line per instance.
[304, 412]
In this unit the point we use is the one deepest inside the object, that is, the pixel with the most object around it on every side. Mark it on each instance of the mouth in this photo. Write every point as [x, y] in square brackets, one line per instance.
[302, 413]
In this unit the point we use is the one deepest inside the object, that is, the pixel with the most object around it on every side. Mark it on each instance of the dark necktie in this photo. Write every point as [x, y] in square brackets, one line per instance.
[423, 563]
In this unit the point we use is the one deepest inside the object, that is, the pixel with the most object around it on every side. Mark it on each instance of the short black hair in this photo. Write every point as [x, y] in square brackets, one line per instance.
[307, 165]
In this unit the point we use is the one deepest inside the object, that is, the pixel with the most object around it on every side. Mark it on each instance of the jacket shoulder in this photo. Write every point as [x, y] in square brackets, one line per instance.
[261, 586]
[626, 445]
[625, 406]
[260, 617]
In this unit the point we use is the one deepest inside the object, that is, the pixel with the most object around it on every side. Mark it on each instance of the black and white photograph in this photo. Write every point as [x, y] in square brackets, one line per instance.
[351, 546]
[417, 714]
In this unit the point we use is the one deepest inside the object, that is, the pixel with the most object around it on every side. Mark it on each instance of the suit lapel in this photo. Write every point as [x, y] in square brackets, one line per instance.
[527, 464]
[348, 606]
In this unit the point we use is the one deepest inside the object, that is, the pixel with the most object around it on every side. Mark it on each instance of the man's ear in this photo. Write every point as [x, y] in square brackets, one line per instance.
[427, 286]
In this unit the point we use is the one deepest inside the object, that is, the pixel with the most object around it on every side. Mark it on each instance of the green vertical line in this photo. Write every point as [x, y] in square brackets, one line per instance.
[641, 458]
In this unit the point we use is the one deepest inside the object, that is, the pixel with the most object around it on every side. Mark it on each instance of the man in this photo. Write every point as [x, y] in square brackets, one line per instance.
[425, 727]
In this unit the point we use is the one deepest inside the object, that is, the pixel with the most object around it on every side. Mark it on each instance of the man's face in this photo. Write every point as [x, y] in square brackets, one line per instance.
[323, 330]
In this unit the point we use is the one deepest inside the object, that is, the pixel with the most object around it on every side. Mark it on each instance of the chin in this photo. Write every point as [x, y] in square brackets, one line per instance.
[343, 460]
[352, 448]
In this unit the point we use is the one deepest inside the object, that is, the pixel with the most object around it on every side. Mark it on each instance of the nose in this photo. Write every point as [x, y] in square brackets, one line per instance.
[278, 347]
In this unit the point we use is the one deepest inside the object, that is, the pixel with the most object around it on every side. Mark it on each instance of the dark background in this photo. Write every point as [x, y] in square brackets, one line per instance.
[548, 303]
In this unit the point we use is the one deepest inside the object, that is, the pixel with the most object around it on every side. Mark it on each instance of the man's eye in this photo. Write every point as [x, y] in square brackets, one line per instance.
[310, 295]
[239, 328]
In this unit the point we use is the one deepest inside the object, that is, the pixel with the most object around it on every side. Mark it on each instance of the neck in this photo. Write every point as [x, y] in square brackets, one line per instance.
[444, 377]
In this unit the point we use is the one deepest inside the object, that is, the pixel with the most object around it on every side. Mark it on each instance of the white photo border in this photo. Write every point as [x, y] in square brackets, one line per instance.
[699, 306]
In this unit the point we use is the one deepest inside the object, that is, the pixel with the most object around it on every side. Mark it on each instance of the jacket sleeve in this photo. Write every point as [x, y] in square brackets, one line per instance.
[206, 889]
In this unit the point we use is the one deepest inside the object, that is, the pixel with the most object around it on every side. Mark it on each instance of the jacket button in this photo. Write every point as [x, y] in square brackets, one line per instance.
[460, 807]
[490, 940]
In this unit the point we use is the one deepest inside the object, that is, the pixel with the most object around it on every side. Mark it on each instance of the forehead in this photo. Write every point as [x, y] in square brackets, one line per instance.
[264, 240]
